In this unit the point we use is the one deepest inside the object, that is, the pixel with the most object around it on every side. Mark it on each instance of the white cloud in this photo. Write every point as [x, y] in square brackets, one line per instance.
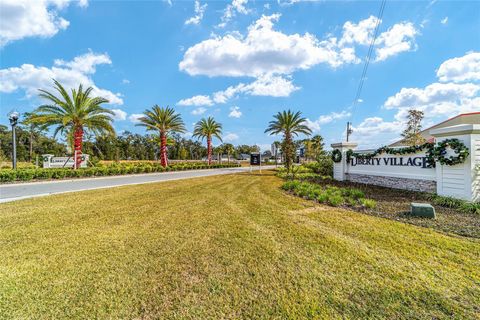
[25, 18]
[466, 68]
[119, 114]
[199, 11]
[444, 20]
[199, 100]
[231, 10]
[262, 51]
[70, 74]
[435, 99]
[324, 119]
[199, 111]
[399, 38]
[267, 85]
[134, 117]
[229, 137]
[235, 112]
[443, 98]
[125, 81]
[438, 101]
[375, 131]
[361, 32]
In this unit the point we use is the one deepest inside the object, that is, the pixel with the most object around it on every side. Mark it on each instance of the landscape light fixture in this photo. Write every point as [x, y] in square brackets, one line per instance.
[13, 117]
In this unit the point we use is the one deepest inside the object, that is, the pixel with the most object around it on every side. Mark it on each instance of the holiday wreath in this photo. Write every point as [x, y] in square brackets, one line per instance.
[460, 149]
[336, 155]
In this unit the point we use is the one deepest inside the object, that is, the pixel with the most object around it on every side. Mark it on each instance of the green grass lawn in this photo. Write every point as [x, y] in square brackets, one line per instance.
[225, 247]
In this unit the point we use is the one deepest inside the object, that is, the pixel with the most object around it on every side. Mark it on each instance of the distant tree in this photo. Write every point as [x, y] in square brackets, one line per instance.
[164, 121]
[206, 129]
[289, 124]
[317, 146]
[182, 153]
[42, 145]
[229, 149]
[411, 134]
[73, 115]
[34, 131]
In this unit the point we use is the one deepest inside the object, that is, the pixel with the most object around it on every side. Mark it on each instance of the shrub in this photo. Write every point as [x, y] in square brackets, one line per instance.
[335, 200]
[43, 174]
[322, 198]
[7, 175]
[369, 203]
[290, 185]
[449, 202]
[103, 169]
[58, 173]
[323, 166]
[353, 193]
[25, 175]
[331, 195]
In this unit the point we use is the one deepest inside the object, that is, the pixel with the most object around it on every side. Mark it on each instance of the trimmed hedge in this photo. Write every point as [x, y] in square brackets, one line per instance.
[9, 175]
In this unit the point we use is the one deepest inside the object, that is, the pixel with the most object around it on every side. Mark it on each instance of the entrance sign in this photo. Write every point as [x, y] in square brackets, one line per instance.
[392, 161]
[409, 166]
[255, 159]
[412, 171]
[49, 161]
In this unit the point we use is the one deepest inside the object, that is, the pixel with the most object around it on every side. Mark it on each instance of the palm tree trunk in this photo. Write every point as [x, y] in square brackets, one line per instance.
[77, 146]
[288, 152]
[163, 149]
[30, 147]
[209, 150]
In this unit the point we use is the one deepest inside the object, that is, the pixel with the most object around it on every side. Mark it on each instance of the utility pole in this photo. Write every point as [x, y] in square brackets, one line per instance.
[349, 130]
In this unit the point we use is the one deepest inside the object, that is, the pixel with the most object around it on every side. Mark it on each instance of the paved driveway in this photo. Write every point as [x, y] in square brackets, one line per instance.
[18, 191]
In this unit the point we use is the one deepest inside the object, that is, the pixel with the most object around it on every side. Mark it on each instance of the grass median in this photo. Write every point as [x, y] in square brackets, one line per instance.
[231, 246]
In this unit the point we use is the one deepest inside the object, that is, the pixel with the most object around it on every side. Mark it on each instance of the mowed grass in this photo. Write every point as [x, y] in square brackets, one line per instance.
[225, 247]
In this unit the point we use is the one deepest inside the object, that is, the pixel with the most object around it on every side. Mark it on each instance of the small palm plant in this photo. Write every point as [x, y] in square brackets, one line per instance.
[73, 115]
[165, 121]
[206, 129]
[289, 124]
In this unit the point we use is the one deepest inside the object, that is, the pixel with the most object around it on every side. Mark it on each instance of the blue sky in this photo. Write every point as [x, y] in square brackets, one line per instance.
[242, 61]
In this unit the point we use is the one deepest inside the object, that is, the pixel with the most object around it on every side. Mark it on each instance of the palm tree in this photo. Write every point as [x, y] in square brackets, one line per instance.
[208, 128]
[317, 146]
[229, 150]
[73, 115]
[289, 124]
[165, 121]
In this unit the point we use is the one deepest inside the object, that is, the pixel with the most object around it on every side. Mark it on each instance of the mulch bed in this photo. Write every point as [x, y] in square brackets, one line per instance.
[394, 204]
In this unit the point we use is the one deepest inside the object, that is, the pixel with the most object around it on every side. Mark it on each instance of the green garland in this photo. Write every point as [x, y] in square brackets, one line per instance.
[456, 145]
[397, 151]
[432, 153]
[336, 155]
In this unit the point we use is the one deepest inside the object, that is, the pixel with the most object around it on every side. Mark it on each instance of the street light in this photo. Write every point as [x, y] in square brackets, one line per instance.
[13, 117]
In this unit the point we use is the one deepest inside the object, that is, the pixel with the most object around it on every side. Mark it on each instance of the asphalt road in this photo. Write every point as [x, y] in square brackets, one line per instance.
[18, 191]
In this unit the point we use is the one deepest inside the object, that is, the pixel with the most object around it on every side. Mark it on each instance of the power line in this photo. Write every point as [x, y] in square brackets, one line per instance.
[368, 57]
